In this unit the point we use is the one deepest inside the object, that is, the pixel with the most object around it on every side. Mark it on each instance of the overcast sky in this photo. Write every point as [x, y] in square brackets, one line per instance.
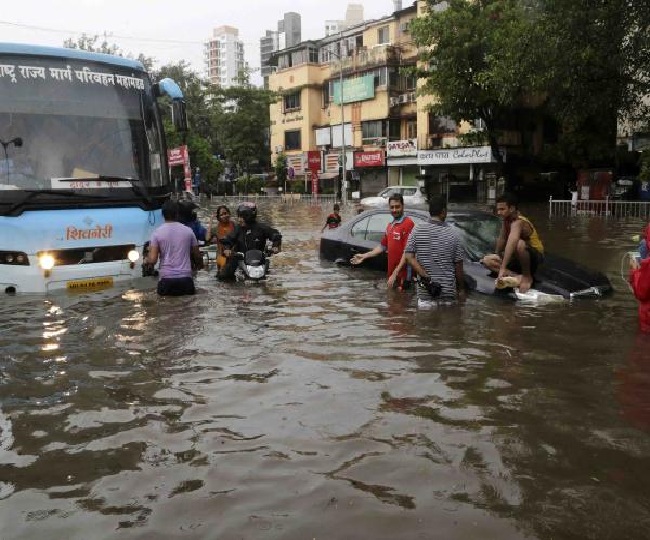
[167, 30]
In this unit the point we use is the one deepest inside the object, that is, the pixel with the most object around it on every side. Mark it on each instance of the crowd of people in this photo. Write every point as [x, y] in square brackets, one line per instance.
[176, 244]
[428, 254]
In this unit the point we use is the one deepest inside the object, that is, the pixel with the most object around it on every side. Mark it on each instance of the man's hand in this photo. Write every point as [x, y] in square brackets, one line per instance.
[390, 282]
[634, 263]
[357, 259]
[275, 249]
[227, 253]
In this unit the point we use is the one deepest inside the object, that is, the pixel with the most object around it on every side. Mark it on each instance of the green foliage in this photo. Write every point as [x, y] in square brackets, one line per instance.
[281, 168]
[242, 120]
[644, 174]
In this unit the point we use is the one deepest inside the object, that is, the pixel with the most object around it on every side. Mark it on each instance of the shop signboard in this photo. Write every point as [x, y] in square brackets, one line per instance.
[404, 148]
[458, 156]
[374, 158]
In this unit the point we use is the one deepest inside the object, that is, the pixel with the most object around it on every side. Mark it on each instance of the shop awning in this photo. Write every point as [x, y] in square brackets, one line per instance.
[328, 175]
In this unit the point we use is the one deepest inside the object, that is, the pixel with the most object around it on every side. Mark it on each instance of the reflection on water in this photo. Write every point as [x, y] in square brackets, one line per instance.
[319, 405]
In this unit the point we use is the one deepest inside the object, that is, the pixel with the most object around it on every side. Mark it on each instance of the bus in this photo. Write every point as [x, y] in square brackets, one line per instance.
[83, 169]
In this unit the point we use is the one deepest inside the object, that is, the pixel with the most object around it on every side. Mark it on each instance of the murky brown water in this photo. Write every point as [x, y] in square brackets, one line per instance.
[319, 407]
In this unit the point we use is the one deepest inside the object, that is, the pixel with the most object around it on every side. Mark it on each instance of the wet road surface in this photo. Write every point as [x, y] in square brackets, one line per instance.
[320, 406]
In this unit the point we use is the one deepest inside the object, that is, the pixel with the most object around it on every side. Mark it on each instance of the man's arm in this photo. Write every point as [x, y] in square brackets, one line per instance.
[511, 245]
[152, 255]
[460, 277]
[197, 257]
[360, 257]
[398, 269]
[417, 267]
[501, 240]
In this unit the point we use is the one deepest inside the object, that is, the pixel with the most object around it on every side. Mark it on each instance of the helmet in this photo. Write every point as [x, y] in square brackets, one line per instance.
[247, 211]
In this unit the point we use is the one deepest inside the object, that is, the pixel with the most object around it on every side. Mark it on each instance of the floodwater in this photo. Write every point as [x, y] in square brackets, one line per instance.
[318, 406]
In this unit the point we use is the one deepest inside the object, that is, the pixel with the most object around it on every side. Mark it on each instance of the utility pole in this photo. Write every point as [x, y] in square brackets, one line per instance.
[344, 190]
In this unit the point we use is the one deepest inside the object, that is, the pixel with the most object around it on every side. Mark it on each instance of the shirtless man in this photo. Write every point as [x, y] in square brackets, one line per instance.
[519, 249]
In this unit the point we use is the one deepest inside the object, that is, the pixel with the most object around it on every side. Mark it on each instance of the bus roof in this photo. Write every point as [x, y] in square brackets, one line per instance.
[62, 52]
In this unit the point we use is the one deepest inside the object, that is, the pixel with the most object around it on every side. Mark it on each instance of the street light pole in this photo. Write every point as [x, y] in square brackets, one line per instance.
[344, 191]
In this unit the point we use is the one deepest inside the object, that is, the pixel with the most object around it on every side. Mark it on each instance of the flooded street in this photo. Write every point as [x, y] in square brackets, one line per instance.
[319, 406]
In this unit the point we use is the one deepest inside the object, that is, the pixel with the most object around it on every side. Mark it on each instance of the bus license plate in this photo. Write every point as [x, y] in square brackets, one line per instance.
[90, 284]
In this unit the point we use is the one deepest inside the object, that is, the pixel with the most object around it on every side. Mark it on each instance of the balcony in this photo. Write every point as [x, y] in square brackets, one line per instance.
[364, 58]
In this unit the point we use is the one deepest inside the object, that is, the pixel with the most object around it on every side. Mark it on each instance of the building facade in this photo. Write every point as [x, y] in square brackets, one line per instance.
[224, 57]
[351, 94]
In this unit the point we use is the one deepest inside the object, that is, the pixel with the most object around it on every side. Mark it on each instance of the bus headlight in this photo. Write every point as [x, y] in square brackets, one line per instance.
[46, 262]
[133, 256]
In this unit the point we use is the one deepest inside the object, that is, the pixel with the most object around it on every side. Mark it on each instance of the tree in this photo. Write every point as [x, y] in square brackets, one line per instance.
[596, 70]
[242, 120]
[89, 43]
[478, 60]
[201, 138]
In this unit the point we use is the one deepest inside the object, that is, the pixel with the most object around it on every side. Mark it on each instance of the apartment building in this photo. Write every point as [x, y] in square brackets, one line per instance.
[224, 56]
[288, 34]
[351, 93]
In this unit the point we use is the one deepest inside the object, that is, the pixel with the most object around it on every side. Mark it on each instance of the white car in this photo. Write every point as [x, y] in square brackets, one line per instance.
[413, 197]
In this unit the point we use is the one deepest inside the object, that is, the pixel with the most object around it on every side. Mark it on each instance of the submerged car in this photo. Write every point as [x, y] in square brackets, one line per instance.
[413, 197]
[556, 277]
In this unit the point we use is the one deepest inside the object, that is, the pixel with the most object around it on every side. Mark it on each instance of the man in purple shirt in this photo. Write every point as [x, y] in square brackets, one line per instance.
[177, 248]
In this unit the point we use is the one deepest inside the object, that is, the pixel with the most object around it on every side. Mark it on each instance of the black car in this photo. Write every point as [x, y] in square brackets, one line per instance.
[556, 276]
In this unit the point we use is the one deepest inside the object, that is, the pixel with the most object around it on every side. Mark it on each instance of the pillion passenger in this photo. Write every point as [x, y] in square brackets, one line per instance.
[178, 249]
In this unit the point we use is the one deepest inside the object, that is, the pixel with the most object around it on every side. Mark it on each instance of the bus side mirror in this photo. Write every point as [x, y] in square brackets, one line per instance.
[179, 115]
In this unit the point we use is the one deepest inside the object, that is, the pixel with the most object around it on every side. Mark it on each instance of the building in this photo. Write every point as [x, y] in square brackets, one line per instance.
[224, 57]
[288, 34]
[353, 17]
[383, 126]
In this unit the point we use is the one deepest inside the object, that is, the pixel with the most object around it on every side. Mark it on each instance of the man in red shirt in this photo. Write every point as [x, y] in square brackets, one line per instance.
[393, 242]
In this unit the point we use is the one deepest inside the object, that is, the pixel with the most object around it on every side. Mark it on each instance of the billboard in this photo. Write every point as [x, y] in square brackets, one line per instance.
[357, 89]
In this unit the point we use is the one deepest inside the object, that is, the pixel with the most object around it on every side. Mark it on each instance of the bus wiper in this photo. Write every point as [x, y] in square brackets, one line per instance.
[33, 193]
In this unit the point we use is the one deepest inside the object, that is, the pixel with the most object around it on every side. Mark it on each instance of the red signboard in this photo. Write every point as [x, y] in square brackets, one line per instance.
[177, 156]
[374, 158]
[313, 160]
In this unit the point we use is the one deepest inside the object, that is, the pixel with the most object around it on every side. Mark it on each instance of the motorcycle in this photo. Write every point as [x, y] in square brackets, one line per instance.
[253, 265]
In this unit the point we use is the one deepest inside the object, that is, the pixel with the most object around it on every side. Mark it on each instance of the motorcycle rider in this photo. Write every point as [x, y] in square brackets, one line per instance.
[248, 234]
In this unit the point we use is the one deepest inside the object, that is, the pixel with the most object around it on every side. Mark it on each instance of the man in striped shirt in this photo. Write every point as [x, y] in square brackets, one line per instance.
[435, 253]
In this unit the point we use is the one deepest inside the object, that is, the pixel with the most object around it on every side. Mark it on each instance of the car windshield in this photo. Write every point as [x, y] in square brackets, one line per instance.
[479, 233]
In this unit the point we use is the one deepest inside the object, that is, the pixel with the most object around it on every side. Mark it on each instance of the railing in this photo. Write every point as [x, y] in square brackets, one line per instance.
[605, 208]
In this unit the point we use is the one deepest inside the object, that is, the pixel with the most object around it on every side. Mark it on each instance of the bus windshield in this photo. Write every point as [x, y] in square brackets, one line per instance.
[76, 125]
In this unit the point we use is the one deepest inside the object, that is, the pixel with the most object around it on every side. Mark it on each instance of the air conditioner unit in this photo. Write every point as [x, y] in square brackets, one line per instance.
[404, 98]
[394, 101]
[412, 97]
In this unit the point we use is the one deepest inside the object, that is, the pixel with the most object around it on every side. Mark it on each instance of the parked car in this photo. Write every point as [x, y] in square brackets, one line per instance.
[556, 276]
[413, 197]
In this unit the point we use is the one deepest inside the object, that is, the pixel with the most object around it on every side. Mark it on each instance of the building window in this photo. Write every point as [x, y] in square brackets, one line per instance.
[313, 55]
[292, 140]
[370, 131]
[383, 35]
[381, 76]
[327, 93]
[292, 102]
[411, 129]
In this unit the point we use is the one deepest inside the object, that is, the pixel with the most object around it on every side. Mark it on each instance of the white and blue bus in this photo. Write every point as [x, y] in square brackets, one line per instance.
[83, 167]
